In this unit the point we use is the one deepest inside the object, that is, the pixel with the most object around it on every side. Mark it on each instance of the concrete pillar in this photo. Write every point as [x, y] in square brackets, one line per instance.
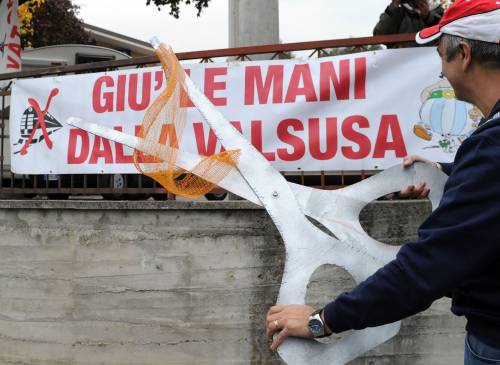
[252, 23]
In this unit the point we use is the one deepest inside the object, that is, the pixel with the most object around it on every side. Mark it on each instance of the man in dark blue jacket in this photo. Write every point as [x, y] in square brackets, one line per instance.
[458, 246]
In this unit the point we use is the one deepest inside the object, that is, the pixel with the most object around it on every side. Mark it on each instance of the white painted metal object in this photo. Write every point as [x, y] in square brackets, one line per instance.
[307, 247]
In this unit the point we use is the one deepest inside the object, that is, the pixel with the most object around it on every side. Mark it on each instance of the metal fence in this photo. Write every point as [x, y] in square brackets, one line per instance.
[13, 186]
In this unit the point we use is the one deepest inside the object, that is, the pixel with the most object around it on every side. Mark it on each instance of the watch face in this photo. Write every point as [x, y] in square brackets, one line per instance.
[316, 327]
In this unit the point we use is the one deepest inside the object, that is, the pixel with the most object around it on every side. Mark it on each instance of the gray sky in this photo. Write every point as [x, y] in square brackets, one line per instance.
[300, 20]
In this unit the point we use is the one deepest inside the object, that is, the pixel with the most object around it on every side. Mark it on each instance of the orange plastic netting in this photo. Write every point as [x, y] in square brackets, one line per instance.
[161, 134]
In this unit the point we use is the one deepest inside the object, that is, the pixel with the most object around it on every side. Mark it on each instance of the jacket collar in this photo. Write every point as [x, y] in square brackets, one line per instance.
[494, 116]
[495, 113]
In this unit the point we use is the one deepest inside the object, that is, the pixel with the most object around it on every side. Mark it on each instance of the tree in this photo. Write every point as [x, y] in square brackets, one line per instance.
[348, 50]
[174, 5]
[47, 23]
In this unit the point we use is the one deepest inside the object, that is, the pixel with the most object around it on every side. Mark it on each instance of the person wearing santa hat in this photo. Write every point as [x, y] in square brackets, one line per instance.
[457, 252]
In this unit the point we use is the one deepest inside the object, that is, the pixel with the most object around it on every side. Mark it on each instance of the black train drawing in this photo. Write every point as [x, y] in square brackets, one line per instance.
[32, 130]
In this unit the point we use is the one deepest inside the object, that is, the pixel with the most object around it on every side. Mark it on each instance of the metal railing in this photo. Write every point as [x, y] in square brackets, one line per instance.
[139, 186]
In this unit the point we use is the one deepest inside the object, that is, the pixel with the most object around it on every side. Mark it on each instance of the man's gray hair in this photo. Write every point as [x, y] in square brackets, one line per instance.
[485, 53]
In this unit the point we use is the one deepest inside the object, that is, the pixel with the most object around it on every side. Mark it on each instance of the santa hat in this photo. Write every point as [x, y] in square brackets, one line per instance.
[472, 19]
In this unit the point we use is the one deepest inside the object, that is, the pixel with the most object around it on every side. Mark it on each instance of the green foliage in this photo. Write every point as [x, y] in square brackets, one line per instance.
[53, 22]
[348, 50]
[286, 56]
[174, 5]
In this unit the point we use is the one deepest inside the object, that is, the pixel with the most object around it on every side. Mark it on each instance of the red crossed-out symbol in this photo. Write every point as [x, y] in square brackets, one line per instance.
[40, 121]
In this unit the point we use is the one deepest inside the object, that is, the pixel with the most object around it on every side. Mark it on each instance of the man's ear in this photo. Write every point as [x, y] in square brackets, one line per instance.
[465, 54]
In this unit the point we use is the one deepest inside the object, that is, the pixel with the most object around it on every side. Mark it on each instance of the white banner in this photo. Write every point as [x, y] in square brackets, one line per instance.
[356, 112]
[10, 38]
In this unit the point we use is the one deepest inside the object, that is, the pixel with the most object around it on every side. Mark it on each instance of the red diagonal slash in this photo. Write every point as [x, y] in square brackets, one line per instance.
[40, 121]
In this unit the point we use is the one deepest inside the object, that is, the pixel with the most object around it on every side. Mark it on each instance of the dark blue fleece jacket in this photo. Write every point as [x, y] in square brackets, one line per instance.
[457, 251]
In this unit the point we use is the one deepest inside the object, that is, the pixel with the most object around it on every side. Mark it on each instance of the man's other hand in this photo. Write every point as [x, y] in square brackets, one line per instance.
[289, 320]
[419, 191]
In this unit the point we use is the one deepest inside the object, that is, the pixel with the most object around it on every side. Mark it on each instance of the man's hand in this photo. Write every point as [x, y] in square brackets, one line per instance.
[411, 159]
[419, 191]
[288, 320]
[422, 7]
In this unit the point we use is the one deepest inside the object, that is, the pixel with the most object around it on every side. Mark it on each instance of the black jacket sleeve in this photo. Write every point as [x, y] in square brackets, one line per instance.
[446, 167]
[390, 20]
[452, 246]
[434, 16]
[396, 19]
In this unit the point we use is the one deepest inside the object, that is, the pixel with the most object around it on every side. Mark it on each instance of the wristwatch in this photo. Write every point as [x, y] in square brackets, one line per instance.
[316, 325]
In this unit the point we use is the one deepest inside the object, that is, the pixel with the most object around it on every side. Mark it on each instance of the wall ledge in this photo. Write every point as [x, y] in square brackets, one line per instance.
[151, 204]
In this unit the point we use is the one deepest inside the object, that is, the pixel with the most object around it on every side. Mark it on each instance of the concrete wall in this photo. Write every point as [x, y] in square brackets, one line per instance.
[173, 283]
